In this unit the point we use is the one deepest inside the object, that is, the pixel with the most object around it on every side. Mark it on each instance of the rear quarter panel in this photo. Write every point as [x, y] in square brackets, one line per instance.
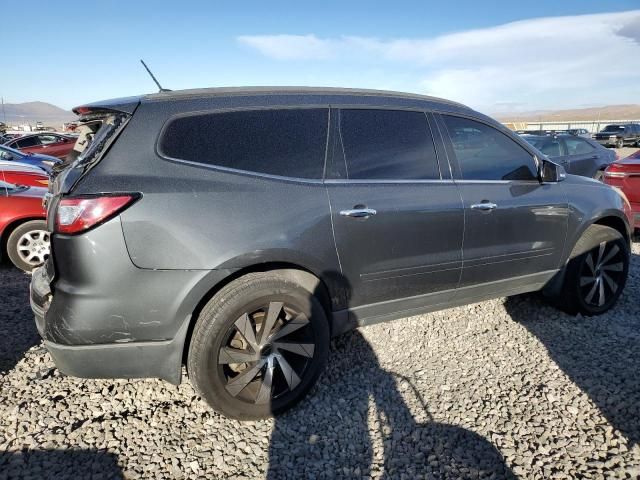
[194, 216]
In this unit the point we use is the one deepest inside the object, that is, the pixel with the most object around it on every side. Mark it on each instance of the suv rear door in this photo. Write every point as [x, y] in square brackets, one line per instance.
[398, 222]
[581, 156]
[515, 226]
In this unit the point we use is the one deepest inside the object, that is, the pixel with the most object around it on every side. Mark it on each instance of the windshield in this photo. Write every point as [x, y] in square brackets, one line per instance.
[613, 128]
[535, 141]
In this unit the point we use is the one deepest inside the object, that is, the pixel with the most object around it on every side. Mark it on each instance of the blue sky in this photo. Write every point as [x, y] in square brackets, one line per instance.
[555, 55]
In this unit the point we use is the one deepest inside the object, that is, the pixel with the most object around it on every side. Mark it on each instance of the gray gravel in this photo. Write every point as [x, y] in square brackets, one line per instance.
[501, 389]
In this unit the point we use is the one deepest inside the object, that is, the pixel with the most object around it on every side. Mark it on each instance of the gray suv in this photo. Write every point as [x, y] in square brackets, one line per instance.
[235, 231]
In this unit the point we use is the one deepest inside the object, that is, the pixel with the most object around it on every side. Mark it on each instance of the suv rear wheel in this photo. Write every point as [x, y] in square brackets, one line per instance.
[597, 271]
[28, 245]
[258, 346]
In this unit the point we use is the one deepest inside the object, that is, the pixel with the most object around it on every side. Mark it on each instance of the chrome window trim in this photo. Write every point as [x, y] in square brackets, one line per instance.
[334, 181]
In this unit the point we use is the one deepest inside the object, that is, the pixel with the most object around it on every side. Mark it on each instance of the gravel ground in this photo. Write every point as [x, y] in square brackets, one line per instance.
[500, 389]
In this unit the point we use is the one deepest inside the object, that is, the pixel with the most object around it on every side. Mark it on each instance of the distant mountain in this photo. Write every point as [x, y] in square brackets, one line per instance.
[32, 112]
[609, 112]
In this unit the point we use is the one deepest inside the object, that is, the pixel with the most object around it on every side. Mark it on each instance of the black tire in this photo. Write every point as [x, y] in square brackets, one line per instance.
[16, 243]
[620, 143]
[248, 303]
[596, 272]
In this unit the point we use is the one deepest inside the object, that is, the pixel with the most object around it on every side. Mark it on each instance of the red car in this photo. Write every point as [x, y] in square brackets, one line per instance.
[53, 144]
[625, 175]
[23, 229]
[23, 174]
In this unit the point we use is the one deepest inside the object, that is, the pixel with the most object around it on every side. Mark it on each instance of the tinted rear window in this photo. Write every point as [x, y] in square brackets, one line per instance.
[388, 145]
[288, 142]
[27, 142]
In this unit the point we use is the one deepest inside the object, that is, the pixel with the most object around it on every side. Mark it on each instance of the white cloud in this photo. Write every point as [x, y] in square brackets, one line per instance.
[290, 47]
[537, 63]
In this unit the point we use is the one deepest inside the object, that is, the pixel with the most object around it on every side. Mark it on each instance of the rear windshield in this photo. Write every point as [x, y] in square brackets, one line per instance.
[95, 136]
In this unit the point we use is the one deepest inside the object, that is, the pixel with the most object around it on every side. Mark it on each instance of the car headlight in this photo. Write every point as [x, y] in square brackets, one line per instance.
[49, 163]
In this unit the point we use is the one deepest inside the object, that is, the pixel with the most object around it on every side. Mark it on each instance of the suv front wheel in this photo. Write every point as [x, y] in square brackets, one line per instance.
[258, 346]
[597, 271]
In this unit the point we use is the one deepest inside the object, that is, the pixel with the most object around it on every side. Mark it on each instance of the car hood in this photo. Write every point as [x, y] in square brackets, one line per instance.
[580, 180]
[41, 158]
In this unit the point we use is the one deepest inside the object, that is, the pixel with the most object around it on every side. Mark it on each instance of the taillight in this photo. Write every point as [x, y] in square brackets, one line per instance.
[76, 215]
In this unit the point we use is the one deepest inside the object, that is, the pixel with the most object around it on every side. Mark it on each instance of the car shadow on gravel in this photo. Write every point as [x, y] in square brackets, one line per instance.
[357, 423]
[601, 355]
[60, 464]
[18, 331]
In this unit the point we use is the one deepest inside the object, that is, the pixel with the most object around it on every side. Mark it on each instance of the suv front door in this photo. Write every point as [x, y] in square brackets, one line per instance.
[515, 226]
[398, 223]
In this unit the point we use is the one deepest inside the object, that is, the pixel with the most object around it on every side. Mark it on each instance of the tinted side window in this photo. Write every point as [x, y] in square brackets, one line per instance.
[577, 146]
[27, 142]
[289, 142]
[485, 153]
[388, 145]
[551, 148]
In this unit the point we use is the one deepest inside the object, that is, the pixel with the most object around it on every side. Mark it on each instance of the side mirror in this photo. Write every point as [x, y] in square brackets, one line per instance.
[550, 172]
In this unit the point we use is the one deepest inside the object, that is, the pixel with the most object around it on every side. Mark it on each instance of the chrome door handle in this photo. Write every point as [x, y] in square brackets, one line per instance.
[358, 212]
[484, 206]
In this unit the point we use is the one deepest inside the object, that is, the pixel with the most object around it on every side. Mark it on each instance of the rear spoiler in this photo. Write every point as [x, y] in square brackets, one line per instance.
[126, 105]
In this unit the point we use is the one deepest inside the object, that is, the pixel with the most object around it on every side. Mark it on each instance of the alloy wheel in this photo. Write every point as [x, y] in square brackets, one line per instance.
[266, 353]
[602, 274]
[33, 247]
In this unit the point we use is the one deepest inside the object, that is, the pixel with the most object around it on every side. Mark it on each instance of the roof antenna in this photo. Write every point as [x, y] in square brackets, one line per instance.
[153, 77]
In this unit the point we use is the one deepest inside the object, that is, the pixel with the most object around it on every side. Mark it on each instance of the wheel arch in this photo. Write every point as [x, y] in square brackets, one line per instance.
[9, 228]
[614, 222]
[307, 279]
[554, 286]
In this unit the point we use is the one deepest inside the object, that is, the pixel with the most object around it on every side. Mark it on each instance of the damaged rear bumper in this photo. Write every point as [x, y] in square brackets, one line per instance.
[161, 359]
[102, 317]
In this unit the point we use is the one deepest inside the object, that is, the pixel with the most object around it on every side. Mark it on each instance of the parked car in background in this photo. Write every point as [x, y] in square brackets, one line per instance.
[619, 135]
[240, 228]
[578, 155]
[44, 162]
[579, 132]
[625, 175]
[23, 174]
[23, 230]
[53, 144]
